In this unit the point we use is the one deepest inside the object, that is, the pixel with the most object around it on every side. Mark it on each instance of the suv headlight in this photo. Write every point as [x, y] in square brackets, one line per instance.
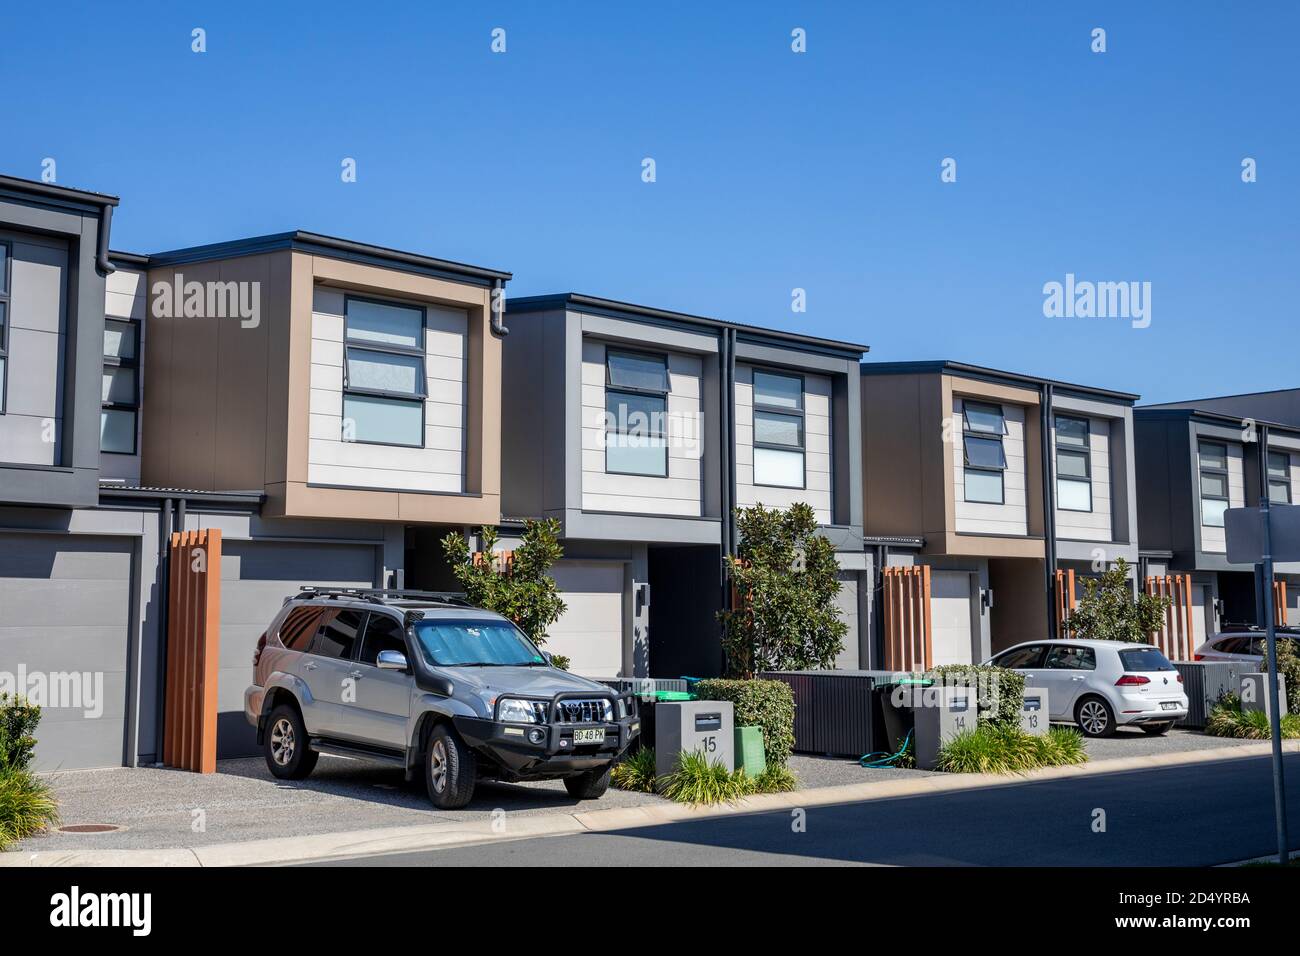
[518, 711]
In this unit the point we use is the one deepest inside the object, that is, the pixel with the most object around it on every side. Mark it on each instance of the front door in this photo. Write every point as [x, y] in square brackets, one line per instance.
[382, 703]
[327, 670]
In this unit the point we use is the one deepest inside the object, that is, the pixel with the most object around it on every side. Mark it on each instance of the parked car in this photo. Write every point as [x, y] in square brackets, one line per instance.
[1246, 647]
[433, 685]
[1101, 685]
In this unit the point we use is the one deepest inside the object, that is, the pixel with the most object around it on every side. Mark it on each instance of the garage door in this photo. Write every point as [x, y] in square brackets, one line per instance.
[1199, 628]
[65, 616]
[950, 607]
[590, 633]
[255, 578]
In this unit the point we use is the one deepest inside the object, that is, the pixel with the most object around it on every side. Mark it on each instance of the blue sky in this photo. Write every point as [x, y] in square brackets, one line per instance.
[775, 170]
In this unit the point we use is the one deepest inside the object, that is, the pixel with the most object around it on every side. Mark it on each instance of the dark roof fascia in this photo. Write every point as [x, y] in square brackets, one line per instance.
[109, 490]
[30, 189]
[1156, 413]
[334, 248]
[995, 375]
[627, 310]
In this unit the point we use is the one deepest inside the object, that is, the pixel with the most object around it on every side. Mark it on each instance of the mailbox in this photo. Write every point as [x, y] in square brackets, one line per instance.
[1254, 693]
[941, 714]
[694, 726]
[1034, 711]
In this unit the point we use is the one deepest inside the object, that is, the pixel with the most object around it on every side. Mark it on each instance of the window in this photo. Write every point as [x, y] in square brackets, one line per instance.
[383, 633]
[338, 633]
[1070, 657]
[1073, 464]
[636, 412]
[984, 458]
[1214, 482]
[383, 373]
[1021, 658]
[778, 430]
[1279, 477]
[4, 322]
[299, 627]
[120, 397]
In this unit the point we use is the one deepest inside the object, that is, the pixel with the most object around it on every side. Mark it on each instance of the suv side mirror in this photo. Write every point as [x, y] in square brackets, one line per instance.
[391, 661]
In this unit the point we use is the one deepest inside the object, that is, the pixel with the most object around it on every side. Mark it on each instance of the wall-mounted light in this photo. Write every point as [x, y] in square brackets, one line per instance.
[986, 598]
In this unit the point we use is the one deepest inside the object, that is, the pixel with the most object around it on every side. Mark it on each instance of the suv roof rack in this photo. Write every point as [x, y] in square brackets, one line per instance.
[380, 595]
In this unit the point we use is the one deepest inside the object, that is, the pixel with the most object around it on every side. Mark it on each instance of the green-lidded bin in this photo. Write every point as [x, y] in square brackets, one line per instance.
[749, 751]
[672, 695]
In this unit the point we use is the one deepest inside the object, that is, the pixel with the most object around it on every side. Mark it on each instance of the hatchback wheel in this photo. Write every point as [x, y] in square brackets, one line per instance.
[288, 749]
[1094, 717]
[449, 768]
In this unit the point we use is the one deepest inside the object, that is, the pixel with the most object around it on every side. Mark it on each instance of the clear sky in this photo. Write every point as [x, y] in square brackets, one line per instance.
[775, 170]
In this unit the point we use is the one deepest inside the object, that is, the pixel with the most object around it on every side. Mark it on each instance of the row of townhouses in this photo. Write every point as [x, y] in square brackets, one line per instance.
[336, 408]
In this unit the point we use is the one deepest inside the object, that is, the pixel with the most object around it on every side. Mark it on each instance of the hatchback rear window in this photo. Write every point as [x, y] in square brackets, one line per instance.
[1145, 659]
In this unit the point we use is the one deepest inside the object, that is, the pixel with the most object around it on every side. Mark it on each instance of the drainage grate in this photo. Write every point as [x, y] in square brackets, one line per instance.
[91, 828]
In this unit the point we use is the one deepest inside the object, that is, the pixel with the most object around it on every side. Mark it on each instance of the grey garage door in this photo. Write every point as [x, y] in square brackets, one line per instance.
[65, 616]
[255, 578]
[590, 632]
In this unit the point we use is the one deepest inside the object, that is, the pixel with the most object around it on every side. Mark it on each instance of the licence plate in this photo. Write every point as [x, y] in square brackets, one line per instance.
[1169, 705]
[589, 735]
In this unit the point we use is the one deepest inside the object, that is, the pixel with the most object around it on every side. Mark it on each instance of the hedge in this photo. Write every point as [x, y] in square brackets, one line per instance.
[1001, 691]
[768, 704]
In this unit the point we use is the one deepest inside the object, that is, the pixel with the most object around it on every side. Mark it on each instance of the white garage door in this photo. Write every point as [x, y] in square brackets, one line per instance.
[590, 633]
[65, 618]
[847, 602]
[950, 607]
[1199, 631]
[256, 576]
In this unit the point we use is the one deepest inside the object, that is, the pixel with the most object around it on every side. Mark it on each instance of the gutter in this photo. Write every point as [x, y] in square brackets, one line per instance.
[498, 308]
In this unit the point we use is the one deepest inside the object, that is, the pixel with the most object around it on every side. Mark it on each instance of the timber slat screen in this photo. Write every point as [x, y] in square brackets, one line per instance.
[1065, 602]
[1175, 638]
[193, 646]
[908, 643]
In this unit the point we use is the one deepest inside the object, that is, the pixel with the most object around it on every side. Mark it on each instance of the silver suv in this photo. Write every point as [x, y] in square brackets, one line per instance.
[430, 683]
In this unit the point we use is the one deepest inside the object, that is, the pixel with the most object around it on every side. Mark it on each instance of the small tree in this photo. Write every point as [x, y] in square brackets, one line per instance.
[1108, 611]
[785, 577]
[522, 589]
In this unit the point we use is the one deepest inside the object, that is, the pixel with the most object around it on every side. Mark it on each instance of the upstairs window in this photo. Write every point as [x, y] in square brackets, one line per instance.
[1073, 464]
[1279, 477]
[120, 392]
[636, 413]
[983, 457]
[1214, 482]
[4, 321]
[384, 383]
[779, 434]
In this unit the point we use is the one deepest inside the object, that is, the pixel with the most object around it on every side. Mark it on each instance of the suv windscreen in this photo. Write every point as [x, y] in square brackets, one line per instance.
[489, 643]
[382, 634]
[1145, 659]
[338, 633]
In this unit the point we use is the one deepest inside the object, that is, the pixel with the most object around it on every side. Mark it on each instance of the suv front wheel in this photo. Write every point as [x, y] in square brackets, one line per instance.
[590, 785]
[288, 750]
[448, 769]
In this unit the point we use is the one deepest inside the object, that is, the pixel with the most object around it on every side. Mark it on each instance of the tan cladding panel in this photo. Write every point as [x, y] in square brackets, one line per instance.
[293, 497]
[217, 397]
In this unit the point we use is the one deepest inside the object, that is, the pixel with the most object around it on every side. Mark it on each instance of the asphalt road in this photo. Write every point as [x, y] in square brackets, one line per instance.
[1178, 816]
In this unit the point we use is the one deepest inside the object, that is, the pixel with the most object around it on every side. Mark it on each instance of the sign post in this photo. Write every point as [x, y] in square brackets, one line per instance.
[1260, 537]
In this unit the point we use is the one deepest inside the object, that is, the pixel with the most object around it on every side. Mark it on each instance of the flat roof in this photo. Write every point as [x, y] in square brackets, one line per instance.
[1156, 411]
[579, 301]
[53, 191]
[318, 244]
[939, 366]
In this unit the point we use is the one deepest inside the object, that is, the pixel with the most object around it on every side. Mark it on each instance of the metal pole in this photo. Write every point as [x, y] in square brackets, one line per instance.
[1274, 705]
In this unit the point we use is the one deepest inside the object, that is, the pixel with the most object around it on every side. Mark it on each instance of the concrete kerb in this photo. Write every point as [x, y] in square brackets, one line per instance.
[334, 846]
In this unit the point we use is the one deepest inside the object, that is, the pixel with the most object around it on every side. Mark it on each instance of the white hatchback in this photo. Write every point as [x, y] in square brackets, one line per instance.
[1101, 685]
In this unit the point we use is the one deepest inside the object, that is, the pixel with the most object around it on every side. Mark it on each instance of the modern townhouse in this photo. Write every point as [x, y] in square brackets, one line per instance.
[330, 407]
[641, 430]
[1000, 490]
[1198, 458]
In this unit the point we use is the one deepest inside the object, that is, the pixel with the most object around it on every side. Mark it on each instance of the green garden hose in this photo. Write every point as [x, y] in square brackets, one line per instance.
[885, 759]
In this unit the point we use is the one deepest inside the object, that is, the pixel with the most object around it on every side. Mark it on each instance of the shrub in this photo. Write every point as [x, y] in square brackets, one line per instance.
[1288, 665]
[18, 720]
[1227, 719]
[775, 779]
[768, 704]
[1003, 748]
[1108, 610]
[697, 780]
[635, 772]
[27, 806]
[521, 590]
[786, 576]
[1001, 692]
